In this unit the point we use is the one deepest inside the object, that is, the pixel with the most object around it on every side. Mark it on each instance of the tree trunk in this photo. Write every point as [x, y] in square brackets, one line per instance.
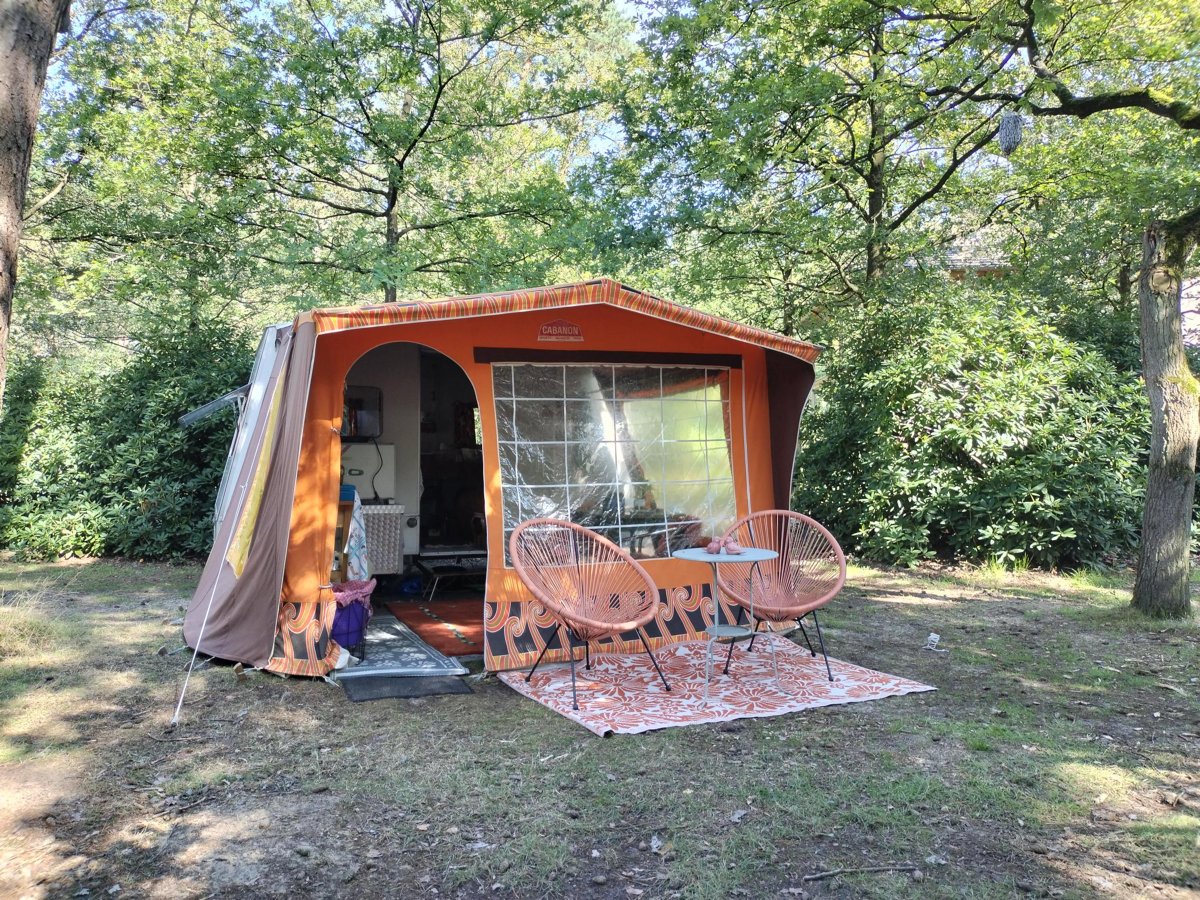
[876, 229]
[877, 233]
[390, 242]
[788, 324]
[1125, 286]
[27, 32]
[1162, 588]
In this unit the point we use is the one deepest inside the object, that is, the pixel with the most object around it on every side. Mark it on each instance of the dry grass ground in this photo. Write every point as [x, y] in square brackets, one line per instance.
[1059, 757]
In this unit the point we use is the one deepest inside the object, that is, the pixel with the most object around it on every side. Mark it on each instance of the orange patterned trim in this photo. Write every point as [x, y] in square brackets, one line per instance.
[303, 645]
[603, 290]
[516, 631]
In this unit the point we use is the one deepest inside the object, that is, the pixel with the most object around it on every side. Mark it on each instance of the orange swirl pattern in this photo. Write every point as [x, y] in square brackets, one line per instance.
[515, 632]
[303, 645]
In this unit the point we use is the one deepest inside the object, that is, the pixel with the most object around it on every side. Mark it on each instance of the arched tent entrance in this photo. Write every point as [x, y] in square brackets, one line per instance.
[410, 438]
[265, 597]
[411, 447]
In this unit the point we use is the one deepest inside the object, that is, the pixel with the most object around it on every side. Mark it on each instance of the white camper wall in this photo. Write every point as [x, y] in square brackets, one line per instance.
[396, 370]
[370, 467]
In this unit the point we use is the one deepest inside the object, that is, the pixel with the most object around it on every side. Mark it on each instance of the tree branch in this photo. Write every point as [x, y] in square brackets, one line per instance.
[956, 163]
[50, 195]
[1185, 115]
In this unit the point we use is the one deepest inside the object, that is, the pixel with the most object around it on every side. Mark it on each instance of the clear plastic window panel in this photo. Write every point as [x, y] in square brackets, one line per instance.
[640, 454]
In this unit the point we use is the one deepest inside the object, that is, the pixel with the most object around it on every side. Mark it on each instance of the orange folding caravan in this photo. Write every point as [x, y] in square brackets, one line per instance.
[653, 424]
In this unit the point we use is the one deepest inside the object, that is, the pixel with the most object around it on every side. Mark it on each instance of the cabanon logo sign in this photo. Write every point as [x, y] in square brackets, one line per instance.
[560, 330]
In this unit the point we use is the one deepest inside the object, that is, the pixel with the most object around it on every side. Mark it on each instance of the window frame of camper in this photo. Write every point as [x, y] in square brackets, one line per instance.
[650, 527]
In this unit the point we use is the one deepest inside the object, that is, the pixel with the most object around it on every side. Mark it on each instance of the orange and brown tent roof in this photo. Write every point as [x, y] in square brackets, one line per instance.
[588, 293]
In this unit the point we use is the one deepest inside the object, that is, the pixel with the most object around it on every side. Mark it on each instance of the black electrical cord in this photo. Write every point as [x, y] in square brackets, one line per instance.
[379, 453]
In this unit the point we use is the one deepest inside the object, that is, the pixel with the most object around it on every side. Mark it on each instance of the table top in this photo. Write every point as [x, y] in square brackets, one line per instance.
[748, 555]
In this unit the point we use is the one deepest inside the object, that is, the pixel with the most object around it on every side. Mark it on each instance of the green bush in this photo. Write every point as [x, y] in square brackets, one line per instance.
[964, 428]
[93, 460]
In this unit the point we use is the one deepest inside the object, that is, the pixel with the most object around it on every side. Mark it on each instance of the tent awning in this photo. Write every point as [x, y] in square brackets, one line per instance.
[600, 291]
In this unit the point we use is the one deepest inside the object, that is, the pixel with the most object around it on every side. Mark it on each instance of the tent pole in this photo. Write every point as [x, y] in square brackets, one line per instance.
[200, 637]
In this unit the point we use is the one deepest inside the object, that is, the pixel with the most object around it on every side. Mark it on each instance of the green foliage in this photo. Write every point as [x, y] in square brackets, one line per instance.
[961, 426]
[206, 160]
[93, 461]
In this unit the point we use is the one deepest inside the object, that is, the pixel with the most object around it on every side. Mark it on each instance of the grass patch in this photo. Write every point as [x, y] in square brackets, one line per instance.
[26, 623]
[1045, 702]
[1098, 580]
[1171, 846]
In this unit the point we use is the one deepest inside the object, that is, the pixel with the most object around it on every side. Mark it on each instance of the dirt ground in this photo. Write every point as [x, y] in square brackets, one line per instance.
[1060, 756]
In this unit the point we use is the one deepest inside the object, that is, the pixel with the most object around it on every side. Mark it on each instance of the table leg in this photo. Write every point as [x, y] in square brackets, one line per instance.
[708, 656]
[716, 598]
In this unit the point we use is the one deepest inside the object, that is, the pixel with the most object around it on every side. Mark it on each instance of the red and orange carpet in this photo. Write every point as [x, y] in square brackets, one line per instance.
[453, 627]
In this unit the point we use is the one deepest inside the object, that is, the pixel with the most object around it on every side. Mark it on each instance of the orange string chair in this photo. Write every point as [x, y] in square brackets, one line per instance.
[807, 574]
[593, 587]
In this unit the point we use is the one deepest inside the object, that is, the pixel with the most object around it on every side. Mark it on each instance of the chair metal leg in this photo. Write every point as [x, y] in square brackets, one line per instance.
[557, 634]
[729, 656]
[587, 656]
[650, 653]
[800, 622]
[754, 637]
[571, 654]
[821, 641]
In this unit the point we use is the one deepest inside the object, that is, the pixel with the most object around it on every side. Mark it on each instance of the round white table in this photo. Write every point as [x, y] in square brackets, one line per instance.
[718, 631]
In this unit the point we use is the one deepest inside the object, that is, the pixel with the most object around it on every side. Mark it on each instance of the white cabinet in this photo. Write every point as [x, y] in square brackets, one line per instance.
[385, 538]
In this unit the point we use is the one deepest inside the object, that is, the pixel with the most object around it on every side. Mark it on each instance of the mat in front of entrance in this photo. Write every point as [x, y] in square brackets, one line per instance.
[384, 687]
[454, 627]
[394, 649]
[622, 694]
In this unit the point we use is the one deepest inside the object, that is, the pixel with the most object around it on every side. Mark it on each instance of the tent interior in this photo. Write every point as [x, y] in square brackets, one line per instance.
[411, 437]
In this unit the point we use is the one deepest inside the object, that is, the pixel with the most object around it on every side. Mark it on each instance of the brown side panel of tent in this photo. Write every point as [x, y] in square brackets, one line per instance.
[789, 381]
[234, 610]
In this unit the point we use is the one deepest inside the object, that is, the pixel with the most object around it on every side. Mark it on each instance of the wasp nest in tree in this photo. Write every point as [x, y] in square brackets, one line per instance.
[1009, 135]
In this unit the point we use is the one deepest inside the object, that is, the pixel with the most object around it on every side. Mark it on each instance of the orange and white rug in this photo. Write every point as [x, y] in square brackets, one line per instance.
[622, 693]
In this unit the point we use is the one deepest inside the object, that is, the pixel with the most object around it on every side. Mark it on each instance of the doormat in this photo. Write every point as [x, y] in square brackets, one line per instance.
[622, 693]
[454, 627]
[383, 687]
[393, 649]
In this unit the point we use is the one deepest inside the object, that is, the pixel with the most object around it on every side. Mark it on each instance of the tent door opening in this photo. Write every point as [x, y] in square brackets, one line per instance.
[420, 462]
[451, 461]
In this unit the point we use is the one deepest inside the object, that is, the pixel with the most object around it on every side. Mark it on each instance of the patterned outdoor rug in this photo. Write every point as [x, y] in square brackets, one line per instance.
[622, 693]
[393, 649]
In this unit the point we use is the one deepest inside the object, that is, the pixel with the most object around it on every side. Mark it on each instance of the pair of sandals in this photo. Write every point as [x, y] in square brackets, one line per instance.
[728, 544]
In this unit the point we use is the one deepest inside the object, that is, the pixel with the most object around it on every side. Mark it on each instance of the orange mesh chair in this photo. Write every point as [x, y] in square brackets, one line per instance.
[807, 574]
[593, 587]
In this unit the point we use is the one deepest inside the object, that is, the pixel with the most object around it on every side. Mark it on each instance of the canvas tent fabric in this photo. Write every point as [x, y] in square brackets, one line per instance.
[265, 597]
